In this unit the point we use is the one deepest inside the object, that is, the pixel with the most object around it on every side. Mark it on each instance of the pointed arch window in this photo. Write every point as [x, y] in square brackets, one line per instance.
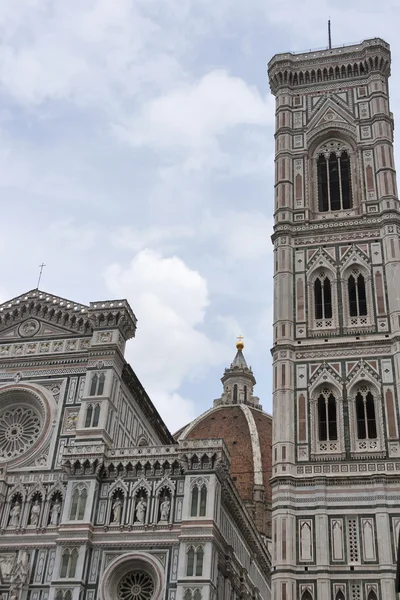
[194, 563]
[372, 595]
[306, 596]
[357, 294]
[198, 505]
[69, 562]
[92, 415]
[340, 596]
[334, 180]
[323, 297]
[327, 417]
[235, 393]
[97, 384]
[365, 412]
[190, 562]
[78, 504]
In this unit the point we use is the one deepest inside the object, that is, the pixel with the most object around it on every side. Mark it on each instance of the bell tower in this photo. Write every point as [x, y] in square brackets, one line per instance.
[336, 352]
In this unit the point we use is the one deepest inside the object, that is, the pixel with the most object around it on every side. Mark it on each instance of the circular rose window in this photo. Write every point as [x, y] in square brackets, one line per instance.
[20, 427]
[137, 585]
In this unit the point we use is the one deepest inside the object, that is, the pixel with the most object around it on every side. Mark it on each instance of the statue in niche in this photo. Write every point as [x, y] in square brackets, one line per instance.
[55, 512]
[141, 510]
[35, 513]
[117, 511]
[15, 514]
[165, 509]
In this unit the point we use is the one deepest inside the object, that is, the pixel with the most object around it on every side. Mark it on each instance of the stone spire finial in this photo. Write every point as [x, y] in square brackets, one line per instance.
[238, 381]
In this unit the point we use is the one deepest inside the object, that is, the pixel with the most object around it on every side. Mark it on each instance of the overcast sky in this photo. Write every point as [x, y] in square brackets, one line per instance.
[136, 161]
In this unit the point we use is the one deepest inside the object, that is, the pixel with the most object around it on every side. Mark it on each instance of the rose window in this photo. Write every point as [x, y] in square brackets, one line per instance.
[20, 427]
[138, 585]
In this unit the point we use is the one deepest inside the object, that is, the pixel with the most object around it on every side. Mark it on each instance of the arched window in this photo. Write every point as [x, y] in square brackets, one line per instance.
[327, 419]
[334, 181]
[323, 297]
[198, 505]
[203, 501]
[97, 384]
[69, 562]
[306, 596]
[245, 393]
[340, 596]
[365, 411]
[235, 393]
[96, 415]
[195, 500]
[199, 561]
[64, 563]
[372, 596]
[59, 595]
[194, 564]
[89, 414]
[188, 595]
[92, 415]
[197, 595]
[78, 504]
[190, 562]
[68, 595]
[93, 385]
[357, 294]
[73, 562]
[100, 388]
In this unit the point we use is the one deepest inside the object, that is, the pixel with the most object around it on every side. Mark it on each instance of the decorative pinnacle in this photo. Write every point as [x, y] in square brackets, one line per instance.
[239, 343]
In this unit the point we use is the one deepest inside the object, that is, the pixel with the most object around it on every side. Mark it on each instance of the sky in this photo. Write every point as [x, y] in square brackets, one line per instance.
[136, 161]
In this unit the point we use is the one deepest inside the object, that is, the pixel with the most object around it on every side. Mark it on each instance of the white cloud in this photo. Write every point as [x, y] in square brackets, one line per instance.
[193, 115]
[242, 235]
[170, 301]
[165, 239]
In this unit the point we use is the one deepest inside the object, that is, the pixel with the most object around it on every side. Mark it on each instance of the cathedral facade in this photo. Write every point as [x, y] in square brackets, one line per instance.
[336, 353]
[97, 499]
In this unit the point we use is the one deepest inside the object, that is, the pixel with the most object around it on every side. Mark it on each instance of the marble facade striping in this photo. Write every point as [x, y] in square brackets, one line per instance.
[335, 486]
[95, 494]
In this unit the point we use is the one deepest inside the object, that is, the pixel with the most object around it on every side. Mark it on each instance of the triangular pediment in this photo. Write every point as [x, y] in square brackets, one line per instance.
[37, 314]
[321, 259]
[330, 112]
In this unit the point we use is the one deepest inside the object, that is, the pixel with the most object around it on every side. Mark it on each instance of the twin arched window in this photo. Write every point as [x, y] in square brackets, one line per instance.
[327, 417]
[78, 504]
[92, 415]
[97, 384]
[356, 291]
[334, 181]
[199, 501]
[194, 566]
[69, 562]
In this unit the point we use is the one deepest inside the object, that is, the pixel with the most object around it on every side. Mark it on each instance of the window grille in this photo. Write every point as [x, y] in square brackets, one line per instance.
[334, 181]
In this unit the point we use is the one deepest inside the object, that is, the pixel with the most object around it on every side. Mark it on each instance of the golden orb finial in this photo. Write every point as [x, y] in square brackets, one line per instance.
[239, 343]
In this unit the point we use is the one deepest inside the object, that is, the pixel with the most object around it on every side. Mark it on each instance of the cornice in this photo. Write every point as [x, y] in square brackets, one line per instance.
[346, 225]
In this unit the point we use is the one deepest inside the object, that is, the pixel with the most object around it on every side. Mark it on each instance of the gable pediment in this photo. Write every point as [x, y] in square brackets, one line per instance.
[39, 315]
[330, 114]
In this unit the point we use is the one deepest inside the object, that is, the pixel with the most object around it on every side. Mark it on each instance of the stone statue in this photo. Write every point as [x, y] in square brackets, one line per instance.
[15, 514]
[165, 508]
[55, 513]
[141, 510]
[35, 513]
[117, 510]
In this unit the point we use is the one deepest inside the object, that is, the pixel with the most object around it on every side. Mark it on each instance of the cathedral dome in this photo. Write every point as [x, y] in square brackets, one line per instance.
[238, 419]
